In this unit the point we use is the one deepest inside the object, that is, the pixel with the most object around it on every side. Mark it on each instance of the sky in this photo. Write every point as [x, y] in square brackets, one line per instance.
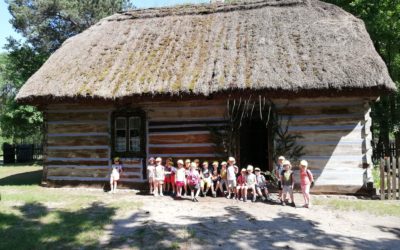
[7, 30]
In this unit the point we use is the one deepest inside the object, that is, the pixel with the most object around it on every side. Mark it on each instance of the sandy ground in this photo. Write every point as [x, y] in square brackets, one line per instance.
[219, 223]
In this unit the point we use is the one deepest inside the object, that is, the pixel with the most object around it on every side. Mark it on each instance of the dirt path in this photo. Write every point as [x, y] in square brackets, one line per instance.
[227, 224]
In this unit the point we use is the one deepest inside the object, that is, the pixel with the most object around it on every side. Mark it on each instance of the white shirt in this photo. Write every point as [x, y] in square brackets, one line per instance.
[231, 175]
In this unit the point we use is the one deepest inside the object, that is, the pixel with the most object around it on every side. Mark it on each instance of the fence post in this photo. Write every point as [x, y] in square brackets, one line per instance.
[382, 173]
[398, 176]
[389, 187]
[394, 177]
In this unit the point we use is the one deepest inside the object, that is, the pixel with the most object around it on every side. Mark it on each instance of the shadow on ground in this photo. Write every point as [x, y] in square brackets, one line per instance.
[235, 230]
[27, 178]
[37, 227]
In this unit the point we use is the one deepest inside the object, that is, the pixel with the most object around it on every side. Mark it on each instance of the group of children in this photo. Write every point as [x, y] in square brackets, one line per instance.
[220, 179]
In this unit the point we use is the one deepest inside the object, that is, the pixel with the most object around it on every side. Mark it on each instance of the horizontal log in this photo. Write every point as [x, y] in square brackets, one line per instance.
[185, 150]
[180, 139]
[91, 134]
[78, 106]
[317, 110]
[78, 141]
[317, 128]
[87, 153]
[92, 179]
[76, 147]
[77, 128]
[328, 135]
[192, 156]
[324, 121]
[174, 114]
[80, 166]
[84, 109]
[78, 116]
[51, 161]
[332, 150]
[78, 172]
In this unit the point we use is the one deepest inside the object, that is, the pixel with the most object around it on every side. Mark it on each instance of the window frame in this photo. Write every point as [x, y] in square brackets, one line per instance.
[142, 133]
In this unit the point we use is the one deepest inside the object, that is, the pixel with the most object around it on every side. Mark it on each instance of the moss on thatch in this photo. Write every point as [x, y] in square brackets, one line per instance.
[287, 45]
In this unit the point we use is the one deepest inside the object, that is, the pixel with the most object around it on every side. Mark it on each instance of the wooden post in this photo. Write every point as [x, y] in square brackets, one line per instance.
[398, 175]
[394, 177]
[382, 173]
[389, 191]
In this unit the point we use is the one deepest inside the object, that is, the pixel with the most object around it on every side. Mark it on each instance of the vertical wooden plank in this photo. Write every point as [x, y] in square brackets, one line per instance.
[382, 173]
[394, 181]
[45, 145]
[398, 175]
[388, 179]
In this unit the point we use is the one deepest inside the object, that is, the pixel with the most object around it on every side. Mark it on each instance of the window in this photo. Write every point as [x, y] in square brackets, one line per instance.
[128, 134]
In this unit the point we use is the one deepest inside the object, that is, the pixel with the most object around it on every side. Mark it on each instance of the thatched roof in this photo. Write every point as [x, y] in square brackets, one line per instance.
[286, 45]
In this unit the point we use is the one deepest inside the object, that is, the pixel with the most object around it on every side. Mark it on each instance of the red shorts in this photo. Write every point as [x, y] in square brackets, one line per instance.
[180, 183]
[169, 179]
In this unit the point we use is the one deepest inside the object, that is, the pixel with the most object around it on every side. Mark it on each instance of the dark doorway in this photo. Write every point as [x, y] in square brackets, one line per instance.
[254, 145]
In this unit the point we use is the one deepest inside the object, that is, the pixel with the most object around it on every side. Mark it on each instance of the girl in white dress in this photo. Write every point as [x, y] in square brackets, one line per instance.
[115, 174]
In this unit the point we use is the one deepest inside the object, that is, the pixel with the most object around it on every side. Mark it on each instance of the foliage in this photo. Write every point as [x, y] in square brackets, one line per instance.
[45, 25]
[382, 20]
[286, 143]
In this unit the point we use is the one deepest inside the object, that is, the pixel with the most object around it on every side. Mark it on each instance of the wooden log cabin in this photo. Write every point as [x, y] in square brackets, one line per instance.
[155, 82]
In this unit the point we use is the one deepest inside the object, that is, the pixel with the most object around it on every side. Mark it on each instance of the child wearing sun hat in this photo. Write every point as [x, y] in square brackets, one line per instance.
[241, 185]
[306, 178]
[116, 169]
[287, 180]
[250, 183]
[261, 185]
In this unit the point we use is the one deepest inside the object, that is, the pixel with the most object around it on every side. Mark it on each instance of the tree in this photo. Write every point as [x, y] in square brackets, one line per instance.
[45, 24]
[382, 19]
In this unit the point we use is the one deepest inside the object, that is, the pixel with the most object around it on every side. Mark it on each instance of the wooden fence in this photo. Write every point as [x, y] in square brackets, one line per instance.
[390, 177]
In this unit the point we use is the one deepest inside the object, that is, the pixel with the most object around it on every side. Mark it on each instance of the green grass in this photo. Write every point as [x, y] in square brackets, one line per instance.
[34, 217]
[376, 207]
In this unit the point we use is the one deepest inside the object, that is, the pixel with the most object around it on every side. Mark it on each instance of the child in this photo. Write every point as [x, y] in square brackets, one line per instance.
[159, 177]
[261, 185]
[216, 178]
[241, 185]
[187, 170]
[232, 170]
[223, 176]
[287, 181]
[115, 174]
[205, 176]
[306, 178]
[193, 180]
[250, 183]
[168, 175]
[278, 172]
[150, 174]
[180, 178]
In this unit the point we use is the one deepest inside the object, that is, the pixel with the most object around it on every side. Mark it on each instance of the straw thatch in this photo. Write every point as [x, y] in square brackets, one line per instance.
[287, 45]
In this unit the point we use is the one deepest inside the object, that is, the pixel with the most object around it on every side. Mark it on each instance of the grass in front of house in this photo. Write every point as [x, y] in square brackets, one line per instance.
[33, 217]
[377, 207]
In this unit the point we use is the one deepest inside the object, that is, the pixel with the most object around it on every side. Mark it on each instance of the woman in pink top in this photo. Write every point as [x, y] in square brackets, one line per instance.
[306, 178]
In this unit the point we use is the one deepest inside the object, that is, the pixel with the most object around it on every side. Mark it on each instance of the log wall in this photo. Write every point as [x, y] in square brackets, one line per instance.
[335, 135]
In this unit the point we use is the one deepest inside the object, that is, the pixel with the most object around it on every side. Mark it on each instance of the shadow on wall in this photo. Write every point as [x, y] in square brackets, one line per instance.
[235, 230]
[40, 228]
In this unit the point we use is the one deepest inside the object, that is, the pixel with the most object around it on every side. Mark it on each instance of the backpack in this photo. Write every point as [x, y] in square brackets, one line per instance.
[193, 180]
[309, 174]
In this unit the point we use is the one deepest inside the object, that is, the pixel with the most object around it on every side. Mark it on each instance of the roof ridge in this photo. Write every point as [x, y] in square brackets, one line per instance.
[202, 9]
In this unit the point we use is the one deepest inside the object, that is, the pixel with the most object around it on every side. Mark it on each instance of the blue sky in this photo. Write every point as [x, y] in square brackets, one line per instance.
[7, 30]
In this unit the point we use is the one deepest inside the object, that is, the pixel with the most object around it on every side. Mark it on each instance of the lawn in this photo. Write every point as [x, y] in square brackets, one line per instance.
[33, 217]
[375, 207]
